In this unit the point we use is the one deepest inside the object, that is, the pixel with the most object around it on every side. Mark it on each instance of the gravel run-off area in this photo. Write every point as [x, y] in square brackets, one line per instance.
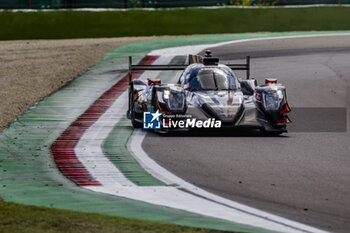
[31, 70]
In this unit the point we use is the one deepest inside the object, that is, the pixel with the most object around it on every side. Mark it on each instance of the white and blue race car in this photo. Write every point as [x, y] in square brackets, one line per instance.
[211, 94]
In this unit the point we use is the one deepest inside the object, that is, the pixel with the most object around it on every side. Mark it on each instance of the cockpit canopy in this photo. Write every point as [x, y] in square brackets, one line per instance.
[200, 77]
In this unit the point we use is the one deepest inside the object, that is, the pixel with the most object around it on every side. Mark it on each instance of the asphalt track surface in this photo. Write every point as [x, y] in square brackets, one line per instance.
[303, 175]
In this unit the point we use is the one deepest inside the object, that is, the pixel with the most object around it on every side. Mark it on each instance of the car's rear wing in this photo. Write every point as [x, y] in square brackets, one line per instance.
[191, 59]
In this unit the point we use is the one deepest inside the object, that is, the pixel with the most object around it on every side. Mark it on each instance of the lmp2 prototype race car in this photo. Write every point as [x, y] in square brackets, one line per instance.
[207, 95]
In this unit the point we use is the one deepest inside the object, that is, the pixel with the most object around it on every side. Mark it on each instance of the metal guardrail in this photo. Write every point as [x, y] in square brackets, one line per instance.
[61, 4]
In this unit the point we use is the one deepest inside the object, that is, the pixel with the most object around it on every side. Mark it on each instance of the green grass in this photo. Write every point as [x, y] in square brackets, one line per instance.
[74, 24]
[21, 218]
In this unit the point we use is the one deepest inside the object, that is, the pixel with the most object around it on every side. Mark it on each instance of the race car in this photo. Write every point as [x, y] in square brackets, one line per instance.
[208, 94]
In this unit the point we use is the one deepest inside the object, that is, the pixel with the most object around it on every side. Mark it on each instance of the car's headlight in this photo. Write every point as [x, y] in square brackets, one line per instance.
[280, 94]
[175, 100]
[272, 100]
[166, 94]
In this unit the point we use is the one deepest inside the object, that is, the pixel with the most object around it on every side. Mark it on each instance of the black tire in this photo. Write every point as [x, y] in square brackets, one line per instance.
[134, 123]
[265, 133]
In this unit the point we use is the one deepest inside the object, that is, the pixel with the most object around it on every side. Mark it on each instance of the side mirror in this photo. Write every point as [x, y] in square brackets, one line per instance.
[269, 81]
[154, 82]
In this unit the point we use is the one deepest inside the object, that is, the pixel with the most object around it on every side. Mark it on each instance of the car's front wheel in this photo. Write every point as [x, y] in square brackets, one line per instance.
[266, 133]
[132, 112]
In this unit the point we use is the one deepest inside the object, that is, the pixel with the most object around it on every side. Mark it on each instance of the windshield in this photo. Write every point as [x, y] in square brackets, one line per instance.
[211, 79]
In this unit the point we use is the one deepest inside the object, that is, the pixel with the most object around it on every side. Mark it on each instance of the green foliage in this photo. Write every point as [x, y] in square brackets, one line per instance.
[80, 24]
[253, 2]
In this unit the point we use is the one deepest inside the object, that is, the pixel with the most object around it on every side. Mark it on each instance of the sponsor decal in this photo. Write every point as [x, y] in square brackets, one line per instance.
[156, 120]
[191, 123]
